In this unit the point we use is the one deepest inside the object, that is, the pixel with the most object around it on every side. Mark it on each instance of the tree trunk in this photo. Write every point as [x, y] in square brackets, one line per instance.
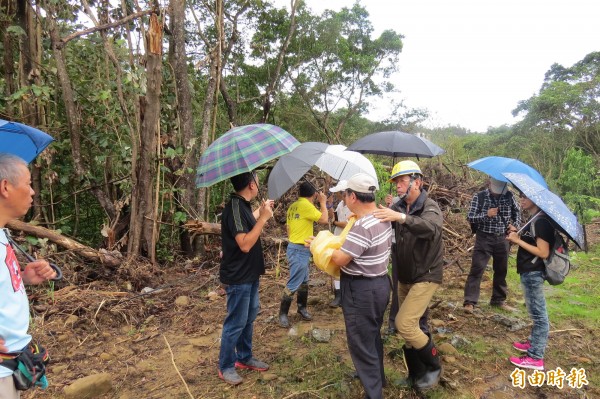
[142, 239]
[8, 8]
[185, 184]
[28, 74]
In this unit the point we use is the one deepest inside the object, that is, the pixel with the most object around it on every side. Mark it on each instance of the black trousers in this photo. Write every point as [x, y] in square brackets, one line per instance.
[364, 301]
[488, 246]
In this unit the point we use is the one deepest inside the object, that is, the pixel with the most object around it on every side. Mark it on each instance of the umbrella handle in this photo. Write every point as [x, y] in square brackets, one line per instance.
[30, 258]
[312, 185]
[530, 220]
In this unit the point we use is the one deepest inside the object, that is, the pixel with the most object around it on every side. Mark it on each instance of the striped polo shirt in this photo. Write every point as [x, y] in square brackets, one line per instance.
[368, 243]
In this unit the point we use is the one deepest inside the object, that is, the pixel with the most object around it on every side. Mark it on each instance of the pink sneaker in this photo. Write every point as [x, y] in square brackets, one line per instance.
[522, 346]
[527, 362]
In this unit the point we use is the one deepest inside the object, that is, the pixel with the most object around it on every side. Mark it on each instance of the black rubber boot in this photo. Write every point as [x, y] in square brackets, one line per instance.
[284, 308]
[430, 358]
[336, 303]
[416, 369]
[302, 301]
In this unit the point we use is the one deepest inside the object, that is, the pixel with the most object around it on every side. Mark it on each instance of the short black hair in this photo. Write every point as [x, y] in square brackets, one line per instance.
[306, 189]
[241, 181]
[362, 197]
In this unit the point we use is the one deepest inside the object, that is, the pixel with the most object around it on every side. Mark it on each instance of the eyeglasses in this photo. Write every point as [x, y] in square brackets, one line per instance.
[403, 179]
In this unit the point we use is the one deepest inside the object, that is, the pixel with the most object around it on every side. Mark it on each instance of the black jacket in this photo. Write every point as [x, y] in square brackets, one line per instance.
[418, 249]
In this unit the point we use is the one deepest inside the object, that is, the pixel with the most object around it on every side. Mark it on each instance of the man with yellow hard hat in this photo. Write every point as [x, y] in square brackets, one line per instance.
[418, 249]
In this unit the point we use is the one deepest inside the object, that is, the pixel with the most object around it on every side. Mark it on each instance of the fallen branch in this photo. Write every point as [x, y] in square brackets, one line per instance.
[568, 329]
[112, 259]
[197, 227]
[447, 230]
[176, 369]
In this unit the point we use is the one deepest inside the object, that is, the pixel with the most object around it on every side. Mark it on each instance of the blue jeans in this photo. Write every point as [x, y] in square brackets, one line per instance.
[533, 288]
[236, 338]
[298, 258]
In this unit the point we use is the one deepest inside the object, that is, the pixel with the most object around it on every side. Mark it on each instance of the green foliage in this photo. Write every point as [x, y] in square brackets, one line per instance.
[580, 183]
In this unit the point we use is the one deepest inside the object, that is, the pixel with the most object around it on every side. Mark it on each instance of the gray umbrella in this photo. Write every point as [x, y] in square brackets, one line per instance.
[396, 144]
[331, 159]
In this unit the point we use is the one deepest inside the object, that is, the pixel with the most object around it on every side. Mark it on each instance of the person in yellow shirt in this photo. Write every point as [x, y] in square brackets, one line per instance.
[301, 216]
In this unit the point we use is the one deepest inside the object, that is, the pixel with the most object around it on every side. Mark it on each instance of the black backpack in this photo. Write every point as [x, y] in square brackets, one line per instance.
[480, 196]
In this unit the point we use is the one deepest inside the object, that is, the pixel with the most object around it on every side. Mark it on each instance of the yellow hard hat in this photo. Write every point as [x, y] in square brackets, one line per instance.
[405, 168]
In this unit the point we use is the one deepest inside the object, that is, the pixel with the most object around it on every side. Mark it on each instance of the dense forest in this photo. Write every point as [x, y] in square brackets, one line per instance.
[136, 93]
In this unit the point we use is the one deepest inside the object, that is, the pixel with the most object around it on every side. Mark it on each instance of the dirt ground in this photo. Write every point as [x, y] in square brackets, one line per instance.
[165, 344]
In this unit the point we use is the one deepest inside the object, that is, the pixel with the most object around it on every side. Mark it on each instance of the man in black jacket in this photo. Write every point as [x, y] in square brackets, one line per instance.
[418, 248]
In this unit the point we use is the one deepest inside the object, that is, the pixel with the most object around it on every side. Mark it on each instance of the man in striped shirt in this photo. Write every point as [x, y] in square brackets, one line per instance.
[365, 285]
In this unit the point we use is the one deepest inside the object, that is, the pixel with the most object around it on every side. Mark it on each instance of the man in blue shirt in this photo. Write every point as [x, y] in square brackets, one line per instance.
[15, 200]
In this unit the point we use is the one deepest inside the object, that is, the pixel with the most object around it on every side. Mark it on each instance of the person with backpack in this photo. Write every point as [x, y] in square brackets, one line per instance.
[15, 200]
[535, 243]
[492, 213]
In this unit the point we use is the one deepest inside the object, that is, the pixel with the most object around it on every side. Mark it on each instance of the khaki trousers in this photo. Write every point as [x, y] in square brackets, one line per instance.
[413, 299]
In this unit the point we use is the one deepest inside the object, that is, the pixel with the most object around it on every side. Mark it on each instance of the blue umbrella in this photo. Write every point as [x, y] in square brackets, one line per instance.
[550, 203]
[496, 166]
[24, 141]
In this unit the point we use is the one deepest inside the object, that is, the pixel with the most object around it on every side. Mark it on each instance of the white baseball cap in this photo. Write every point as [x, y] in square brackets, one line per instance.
[341, 186]
[362, 183]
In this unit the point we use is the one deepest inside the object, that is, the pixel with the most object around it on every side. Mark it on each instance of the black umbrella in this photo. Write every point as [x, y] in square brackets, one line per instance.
[396, 144]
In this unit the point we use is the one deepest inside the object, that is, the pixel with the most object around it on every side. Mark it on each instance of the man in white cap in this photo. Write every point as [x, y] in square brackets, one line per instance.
[492, 212]
[365, 284]
[340, 221]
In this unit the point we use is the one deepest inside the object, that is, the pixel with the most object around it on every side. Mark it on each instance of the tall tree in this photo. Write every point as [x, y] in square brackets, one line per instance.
[335, 66]
[566, 111]
[184, 183]
[143, 233]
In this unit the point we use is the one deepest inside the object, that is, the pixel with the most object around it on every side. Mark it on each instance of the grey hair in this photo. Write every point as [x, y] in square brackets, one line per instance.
[9, 167]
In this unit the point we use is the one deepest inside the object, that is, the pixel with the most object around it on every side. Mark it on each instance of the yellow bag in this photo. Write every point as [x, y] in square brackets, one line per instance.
[324, 244]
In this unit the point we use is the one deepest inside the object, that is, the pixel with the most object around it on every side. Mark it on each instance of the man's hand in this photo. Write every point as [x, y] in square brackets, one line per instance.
[37, 272]
[388, 200]
[492, 212]
[3, 348]
[322, 197]
[389, 215]
[266, 210]
[513, 237]
[308, 241]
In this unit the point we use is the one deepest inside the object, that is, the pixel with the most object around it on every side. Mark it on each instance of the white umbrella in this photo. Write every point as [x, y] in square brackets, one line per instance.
[341, 164]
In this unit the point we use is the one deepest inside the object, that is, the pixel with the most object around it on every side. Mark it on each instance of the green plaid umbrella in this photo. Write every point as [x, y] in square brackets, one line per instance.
[242, 149]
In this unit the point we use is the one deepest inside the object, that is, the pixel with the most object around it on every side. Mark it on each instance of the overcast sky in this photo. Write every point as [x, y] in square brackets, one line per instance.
[470, 62]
